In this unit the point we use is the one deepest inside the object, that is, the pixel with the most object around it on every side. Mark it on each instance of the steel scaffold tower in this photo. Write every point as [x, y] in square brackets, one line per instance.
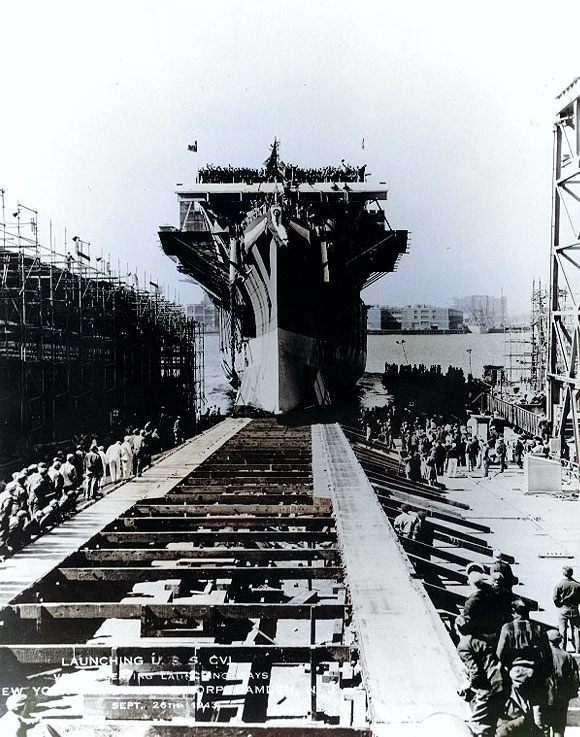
[563, 379]
[76, 342]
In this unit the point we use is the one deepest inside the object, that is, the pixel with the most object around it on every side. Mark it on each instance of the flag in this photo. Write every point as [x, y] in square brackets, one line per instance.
[192, 147]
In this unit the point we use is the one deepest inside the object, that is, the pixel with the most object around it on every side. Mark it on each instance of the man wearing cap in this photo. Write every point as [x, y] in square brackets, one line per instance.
[563, 685]
[566, 598]
[14, 723]
[523, 643]
[499, 565]
[406, 522]
[486, 688]
[69, 473]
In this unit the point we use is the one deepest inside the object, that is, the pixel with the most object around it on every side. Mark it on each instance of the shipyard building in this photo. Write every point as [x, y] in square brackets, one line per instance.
[414, 318]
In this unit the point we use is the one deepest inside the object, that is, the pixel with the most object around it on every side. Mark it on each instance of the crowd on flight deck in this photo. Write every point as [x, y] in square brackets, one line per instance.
[212, 174]
[48, 491]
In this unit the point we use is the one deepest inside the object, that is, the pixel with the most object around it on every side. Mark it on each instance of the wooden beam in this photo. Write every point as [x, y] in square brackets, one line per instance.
[139, 574]
[143, 555]
[177, 523]
[163, 537]
[145, 510]
[129, 610]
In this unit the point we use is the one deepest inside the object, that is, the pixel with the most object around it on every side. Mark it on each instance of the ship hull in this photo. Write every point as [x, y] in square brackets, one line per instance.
[285, 267]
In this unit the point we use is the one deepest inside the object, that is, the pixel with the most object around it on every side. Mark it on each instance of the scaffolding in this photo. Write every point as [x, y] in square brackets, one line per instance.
[563, 380]
[538, 336]
[77, 342]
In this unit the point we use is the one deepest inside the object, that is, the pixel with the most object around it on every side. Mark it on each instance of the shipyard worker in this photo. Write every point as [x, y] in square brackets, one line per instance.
[567, 598]
[563, 685]
[56, 477]
[523, 642]
[518, 718]
[101, 452]
[486, 608]
[486, 458]
[93, 471]
[423, 538]
[485, 685]
[14, 723]
[177, 431]
[136, 442]
[69, 473]
[501, 452]
[6, 505]
[126, 458]
[405, 522]
[413, 466]
[440, 457]
[501, 566]
[518, 453]
[472, 453]
[114, 460]
[142, 448]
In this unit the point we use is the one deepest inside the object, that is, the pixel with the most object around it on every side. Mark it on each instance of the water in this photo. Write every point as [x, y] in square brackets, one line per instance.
[469, 352]
[216, 384]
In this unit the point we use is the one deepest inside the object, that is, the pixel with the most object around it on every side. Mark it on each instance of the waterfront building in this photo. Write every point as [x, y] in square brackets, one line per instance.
[426, 317]
[414, 318]
[205, 313]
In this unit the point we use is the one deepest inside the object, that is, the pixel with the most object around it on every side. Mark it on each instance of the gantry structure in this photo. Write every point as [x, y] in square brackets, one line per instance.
[563, 379]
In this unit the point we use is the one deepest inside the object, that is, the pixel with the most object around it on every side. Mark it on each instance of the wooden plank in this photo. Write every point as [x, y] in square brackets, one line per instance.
[387, 502]
[141, 555]
[177, 523]
[219, 509]
[163, 537]
[138, 574]
[128, 610]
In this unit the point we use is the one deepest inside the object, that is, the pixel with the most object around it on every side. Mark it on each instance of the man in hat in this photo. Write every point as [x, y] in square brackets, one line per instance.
[485, 687]
[500, 565]
[523, 643]
[93, 471]
[566, 598]
[14, 723]
[406, 522]
[563, 685]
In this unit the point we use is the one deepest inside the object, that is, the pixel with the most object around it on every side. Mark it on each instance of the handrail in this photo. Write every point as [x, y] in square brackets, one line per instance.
[521, 418]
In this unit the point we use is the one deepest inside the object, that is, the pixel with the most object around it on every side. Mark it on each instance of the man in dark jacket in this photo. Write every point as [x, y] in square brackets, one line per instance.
[524, 643]
[563, 685]
[566, 599]
[485, 687]
[93, 471]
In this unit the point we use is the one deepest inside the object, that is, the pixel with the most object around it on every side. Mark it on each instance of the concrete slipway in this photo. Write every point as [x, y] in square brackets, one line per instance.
[410, 667]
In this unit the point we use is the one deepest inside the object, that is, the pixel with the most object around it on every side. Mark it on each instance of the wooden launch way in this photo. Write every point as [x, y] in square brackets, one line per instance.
[251, 578]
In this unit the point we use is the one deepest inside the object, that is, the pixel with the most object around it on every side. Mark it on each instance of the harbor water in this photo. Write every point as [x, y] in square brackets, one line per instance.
[467, 351]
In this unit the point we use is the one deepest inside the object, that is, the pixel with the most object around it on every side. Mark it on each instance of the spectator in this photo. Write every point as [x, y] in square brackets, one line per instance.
[563, 685]
[566, 599]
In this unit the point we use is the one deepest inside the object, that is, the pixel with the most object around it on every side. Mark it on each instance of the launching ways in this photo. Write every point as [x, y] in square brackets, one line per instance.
[250, 578]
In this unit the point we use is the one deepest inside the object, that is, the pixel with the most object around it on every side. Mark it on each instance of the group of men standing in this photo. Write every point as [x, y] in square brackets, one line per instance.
[519, 677]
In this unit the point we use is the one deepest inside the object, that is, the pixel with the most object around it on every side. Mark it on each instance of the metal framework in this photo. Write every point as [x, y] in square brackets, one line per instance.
[76, 342]
[563, 380]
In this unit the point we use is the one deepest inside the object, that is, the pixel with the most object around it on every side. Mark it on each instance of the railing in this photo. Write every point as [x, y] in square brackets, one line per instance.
[521, 418]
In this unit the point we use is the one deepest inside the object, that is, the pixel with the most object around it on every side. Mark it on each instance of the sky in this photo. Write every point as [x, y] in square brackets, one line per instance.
[455, 102]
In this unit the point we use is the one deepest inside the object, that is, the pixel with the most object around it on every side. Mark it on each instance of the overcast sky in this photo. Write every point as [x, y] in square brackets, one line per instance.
[455, 102]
